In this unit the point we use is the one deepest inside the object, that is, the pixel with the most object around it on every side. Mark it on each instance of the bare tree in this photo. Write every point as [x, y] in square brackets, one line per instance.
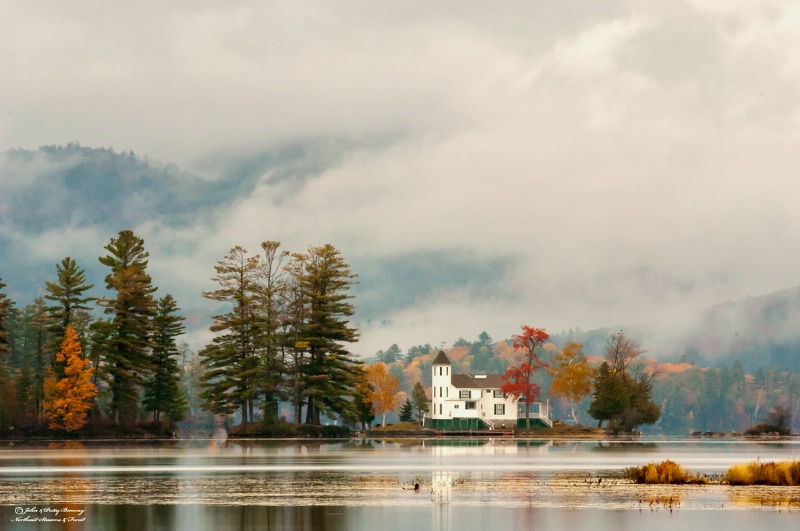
[621, 352]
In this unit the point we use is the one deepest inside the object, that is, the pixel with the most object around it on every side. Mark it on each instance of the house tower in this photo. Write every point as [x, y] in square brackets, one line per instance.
[440, 385]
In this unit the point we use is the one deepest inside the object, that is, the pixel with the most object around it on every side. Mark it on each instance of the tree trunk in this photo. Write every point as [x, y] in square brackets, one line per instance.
[527, 415]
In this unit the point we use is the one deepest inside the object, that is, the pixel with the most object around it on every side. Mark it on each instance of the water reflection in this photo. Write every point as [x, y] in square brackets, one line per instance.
[765, 497]
[337, 485]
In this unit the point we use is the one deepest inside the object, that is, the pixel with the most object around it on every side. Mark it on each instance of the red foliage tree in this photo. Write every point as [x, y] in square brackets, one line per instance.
[518, 379]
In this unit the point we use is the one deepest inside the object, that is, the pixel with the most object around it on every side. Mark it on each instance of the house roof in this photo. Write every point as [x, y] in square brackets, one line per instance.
[477, 381]
[441, 359]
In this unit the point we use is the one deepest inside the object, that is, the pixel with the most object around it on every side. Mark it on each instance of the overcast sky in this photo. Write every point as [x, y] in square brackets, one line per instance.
[550, 163]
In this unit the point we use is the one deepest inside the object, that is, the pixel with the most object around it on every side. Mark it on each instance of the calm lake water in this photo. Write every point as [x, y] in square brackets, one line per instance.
[464, 484]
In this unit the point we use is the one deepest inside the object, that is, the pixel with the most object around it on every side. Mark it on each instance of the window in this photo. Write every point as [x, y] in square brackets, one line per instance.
[446, 391]
[464, 394]
[469, 405]
[455, 406]
[440, 409]
[499, 394]
[499, 409]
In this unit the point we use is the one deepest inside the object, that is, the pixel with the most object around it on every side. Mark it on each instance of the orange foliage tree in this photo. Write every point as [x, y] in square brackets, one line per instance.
[572, 375]
[69, 399]
[518, 379]
[385, 389]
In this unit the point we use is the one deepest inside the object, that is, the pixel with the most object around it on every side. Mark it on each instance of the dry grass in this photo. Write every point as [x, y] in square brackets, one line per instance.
[784, 474]
[664, 473]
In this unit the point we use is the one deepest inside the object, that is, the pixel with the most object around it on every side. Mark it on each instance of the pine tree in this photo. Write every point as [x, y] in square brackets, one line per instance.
[127, 344]
[68, 399]
[231, 381]
[26, 389]
[5, 339]
[68, 297]
[330, 374]
[162, 393]
[7, 388]
[271, 341]
[31, 344]
[407, 411]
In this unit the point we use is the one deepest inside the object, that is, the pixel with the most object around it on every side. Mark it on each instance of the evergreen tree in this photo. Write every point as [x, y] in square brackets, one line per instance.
[296, 310]
[420, 400]
[331, 374]
[624, 399]
[231, 381]
[5, 340]
[162, 393]
[68, 297]
[31, 340]
[606, 400]
[26, 389]
[390, 355]
[126, 336]
[407, 411]
[271, 341]
[68, 399]
[7, 388]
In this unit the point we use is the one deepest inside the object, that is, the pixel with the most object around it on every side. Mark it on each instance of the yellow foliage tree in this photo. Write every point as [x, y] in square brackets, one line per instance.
[69, 399]
[385, 389]
[572, 375]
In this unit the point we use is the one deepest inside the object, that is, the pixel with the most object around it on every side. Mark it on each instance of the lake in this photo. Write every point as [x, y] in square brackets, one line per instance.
[465, 484]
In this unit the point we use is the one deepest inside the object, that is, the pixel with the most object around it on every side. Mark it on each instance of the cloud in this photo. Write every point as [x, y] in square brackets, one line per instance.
[554, 164]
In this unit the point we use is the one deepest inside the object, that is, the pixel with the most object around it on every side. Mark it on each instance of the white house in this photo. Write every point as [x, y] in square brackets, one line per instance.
[475, 402]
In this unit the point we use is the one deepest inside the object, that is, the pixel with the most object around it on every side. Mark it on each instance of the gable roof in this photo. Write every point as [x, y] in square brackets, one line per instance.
[477, 381]
[441, 359]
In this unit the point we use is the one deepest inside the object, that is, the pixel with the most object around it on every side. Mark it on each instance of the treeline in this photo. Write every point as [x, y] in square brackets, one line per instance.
[59, 364]
[279, 356]
[690, 398]
[723, 400]
[280, 338]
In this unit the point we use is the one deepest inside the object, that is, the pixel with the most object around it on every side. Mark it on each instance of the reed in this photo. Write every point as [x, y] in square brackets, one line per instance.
[784, 474]
[664, 473]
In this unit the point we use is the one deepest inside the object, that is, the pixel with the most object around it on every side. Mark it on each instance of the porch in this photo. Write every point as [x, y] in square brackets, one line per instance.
[539, 414]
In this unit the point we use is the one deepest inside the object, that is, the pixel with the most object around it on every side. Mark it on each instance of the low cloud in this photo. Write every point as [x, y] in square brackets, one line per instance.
[552, 164]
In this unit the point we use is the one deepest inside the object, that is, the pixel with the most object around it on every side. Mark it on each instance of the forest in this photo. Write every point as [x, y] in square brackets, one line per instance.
[279, 338]
[280, 360]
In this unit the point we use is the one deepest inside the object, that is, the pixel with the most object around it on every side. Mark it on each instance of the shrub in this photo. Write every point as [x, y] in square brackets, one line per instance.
[784, 474]
[779, 420]
[667, 472]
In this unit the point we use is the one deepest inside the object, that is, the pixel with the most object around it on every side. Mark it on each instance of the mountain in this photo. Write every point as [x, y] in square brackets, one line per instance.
[759, 332]
[75, 186]
[71, 200]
